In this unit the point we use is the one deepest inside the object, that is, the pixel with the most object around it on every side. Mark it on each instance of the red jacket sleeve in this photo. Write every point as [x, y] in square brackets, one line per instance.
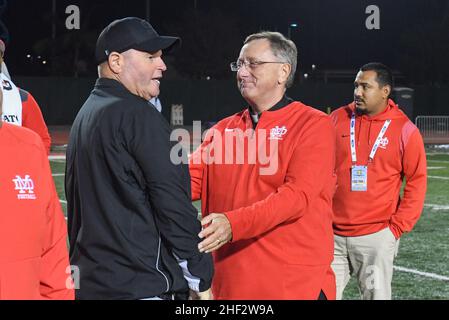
[197, 167]
[55, 279]
[308, 173]
[32, 118]
[415, 173]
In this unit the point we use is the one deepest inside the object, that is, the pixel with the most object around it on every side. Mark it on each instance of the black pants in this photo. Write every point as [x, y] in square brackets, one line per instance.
[174, 296]
[322, 296]
[185, 296]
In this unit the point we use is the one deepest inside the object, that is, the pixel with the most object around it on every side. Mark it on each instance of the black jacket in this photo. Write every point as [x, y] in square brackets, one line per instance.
[132, 228]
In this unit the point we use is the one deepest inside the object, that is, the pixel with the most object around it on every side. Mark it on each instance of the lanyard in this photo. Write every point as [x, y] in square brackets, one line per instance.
[376, 144]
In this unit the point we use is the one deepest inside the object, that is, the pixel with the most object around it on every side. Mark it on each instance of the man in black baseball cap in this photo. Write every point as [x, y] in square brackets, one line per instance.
[131, 33]
[129, 50]
[133, 230]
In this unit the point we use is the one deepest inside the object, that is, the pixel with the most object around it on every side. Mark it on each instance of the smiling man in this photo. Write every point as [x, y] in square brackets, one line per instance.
[132, 228]
[270, 231]
[377, 148]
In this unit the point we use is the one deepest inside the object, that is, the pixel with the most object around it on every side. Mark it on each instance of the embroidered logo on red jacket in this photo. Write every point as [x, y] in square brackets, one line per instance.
[25, 186]
[383, 143]
[277, 133]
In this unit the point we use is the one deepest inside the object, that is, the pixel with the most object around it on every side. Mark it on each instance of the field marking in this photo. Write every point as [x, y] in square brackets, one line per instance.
[442, 161]
[435, 168]
[58, 174]
[63, 201]
[436, 206]
[56, 157]
[58, 161]
[420, 273]
[438, 177]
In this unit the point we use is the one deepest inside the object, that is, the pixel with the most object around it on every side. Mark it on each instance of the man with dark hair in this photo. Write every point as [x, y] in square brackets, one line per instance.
[268, 218]
[132, 227]
[384, 76]
[377, 147]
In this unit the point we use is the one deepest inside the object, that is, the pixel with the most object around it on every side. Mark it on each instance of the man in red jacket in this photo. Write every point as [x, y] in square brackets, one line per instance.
[34, 262]
[265, 178]
[20, 108]
[377, 147]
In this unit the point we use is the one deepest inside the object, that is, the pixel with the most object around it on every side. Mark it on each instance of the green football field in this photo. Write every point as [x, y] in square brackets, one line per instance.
[422, 265]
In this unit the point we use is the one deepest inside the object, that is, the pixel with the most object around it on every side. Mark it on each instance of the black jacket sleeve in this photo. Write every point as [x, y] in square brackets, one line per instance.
[168, 185]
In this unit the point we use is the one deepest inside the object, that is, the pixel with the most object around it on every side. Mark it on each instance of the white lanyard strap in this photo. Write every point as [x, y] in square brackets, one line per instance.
[376, 144]
[352, 134]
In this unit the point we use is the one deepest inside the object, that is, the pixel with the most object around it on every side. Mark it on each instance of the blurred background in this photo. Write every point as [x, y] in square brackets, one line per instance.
[57, 64]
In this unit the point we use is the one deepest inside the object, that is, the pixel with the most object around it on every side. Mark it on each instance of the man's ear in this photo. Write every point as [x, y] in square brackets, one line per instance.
[284, 72]
[386, 90]
[115, 62]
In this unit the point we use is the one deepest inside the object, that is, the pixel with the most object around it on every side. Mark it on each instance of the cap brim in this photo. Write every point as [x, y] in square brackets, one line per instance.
[167, 44]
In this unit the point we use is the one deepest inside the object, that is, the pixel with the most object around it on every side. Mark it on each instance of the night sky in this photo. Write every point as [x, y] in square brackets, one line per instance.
[413, 36]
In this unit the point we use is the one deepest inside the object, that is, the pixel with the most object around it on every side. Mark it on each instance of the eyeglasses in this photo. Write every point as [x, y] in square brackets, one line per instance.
[251, 65]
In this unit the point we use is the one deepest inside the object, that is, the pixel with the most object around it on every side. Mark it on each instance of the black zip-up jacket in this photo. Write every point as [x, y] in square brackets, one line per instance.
[132, 228]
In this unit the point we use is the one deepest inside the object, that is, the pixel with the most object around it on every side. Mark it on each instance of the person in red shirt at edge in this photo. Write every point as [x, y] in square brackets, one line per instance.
[33, 233]
[20, 108]
[268, 221]
[377, 147]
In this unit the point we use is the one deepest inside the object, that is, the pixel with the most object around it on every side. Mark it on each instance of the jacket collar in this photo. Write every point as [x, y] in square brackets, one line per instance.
[285, 101]
[111, 84]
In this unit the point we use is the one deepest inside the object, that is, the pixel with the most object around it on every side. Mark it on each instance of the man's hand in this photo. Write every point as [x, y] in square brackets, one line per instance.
[205, 295]
[217, 233]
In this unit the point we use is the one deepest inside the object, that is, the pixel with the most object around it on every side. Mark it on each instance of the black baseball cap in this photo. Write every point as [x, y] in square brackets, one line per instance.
[131, 33]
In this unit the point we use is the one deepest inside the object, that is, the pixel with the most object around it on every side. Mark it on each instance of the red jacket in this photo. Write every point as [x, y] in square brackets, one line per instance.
[32, 118]
[401, 155]
[282, 244]
[33, 232]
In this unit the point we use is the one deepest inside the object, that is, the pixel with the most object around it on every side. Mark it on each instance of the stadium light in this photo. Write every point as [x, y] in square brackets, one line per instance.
[292, 25]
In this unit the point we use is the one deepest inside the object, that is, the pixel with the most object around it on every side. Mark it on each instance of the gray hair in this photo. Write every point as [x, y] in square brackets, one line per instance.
[281, 47]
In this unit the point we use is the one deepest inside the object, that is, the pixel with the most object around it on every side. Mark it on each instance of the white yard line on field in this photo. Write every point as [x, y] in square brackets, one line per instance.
[420, 273]
[436, 206]
[57, 157]
[58, 174]
[438, 177]
[435, 168]
[441, 161]
[63, 201]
